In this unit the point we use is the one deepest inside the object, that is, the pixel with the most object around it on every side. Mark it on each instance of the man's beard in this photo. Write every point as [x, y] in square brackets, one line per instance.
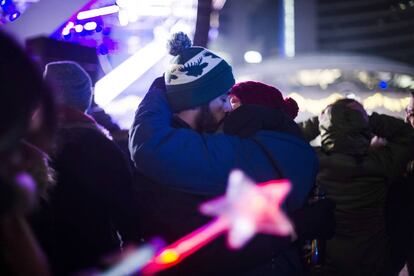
[205, 121]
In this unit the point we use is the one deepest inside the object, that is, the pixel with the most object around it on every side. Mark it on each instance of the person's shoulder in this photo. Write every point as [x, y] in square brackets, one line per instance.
[276, 136]
[89, 138]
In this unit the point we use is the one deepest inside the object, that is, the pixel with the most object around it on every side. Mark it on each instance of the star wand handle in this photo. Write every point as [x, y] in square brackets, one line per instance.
[185, 246]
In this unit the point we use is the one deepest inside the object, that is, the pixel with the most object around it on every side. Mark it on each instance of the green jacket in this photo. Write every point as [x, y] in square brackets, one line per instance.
[356, 177]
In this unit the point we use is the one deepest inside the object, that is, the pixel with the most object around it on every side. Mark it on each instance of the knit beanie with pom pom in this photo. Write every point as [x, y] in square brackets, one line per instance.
[252, 92]
[195, 75]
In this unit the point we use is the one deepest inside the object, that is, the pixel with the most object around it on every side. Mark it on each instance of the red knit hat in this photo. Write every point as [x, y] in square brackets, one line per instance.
[252, 92]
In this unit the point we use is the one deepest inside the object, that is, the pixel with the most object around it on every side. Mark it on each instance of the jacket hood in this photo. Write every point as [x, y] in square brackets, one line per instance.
[344, 130]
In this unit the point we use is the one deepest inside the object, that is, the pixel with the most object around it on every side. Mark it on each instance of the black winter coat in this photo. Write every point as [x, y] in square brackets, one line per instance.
[357, 178]
[92, 200]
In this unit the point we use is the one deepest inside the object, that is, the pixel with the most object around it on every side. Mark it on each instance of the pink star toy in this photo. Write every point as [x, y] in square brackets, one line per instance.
[247, 208]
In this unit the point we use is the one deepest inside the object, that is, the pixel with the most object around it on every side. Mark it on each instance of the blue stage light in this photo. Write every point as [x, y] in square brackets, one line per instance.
[103, 49]
[383, 84]
[9, 9]
[67, 36]
[14, 15]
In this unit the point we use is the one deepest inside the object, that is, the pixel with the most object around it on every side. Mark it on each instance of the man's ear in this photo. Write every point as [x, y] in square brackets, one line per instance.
[234, 101]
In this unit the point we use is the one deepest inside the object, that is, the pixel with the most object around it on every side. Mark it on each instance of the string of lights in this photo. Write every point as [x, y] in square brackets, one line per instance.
[377, 100]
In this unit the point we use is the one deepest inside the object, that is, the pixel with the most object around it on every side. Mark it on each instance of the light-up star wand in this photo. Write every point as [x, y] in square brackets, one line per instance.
[245, 209]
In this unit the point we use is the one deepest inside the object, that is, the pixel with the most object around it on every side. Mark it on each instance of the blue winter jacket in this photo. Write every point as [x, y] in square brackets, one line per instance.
[196, 163]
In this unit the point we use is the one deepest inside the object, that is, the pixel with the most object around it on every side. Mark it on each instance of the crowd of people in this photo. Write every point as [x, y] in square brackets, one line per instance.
[71, 198]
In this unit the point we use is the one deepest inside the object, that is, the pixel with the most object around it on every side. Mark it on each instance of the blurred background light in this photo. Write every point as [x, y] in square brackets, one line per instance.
[115, 82]
[383, 85]
[78, 28]
[252, 57]
[97, 12]
[289, 24]
[90, 26]
[14, 15]
[318, 77]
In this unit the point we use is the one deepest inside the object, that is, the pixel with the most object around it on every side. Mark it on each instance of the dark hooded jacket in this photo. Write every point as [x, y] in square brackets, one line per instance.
[357, 177]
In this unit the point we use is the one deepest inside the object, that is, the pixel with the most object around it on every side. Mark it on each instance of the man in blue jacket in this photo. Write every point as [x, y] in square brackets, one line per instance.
[173, 147]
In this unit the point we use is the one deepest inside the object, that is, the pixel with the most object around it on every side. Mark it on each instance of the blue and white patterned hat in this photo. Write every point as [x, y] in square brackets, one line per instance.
[195, 75]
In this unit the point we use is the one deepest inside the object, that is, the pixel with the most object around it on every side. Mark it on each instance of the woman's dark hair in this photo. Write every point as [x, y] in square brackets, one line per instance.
[22, 92]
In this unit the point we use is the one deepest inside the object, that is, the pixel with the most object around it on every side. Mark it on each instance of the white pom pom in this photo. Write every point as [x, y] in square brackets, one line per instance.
[178, 42]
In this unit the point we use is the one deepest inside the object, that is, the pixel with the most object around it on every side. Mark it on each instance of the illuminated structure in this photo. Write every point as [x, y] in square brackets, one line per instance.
[129, 37]
[317, 80]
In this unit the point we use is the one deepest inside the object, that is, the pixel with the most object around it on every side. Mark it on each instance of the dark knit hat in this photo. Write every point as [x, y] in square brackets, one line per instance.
[195, 76]
[71, 82]
[252, 92]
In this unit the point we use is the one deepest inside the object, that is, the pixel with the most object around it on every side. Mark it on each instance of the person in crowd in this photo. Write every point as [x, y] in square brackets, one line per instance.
[409, 111]
[258, 106]
[89, 211]
[181, 162]
[357, 178]
[398, 211]
[409, 180]
[119, 136]
[23, 94]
